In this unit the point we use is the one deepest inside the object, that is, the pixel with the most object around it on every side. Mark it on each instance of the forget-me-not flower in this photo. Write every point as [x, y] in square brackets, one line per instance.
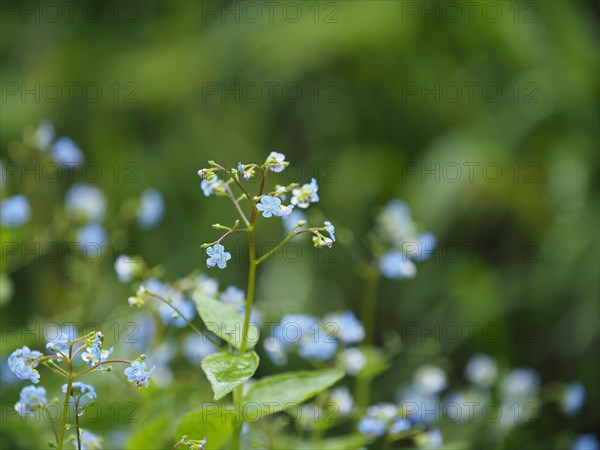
[137, 373]
[346, 327]
[21, 363]
[66, 153]
[80, 390]
[209, 186]
[305, 195]
[573, 399]
[481, 370]
[197, 347]
[44, 135]
[152, 208]
[430, 379]
[86, 202]
[585, 442]
[395, 264]
[276, 162]
[269, 206]
[330, 229]
[31, 397]
[217, 256]
[92, 234]
[14, 211]
[89, 441]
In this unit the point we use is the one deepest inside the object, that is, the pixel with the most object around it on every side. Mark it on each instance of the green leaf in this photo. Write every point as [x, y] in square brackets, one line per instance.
[224, 321]
[151, 435]
[225, 371]
[206, 422]
[279, 392]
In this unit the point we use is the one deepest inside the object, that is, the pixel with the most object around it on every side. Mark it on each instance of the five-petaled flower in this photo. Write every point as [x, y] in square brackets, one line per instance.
[269, 206]
[137, 373]
[30, 399]
[209, 186]
[305, 195]
[217, 256]
[95, 354]
[21, 363]
[276, 162]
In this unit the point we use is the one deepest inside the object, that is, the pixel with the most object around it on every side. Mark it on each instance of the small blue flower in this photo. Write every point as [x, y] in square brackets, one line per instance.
[429, 379]
[270, 206]
[92, 234]
[87, 202]
[196, 348]
[520, 383]
[319, 346]
[371, 426]
[395, 264]
[573, 399]
[346, 327]
[343, 399]
[137, 373]
[481, 370]
[276, 162]
[61, 344]
[425, 246]
[354, 360]
[44, 135]
[80, 390]
[585, 442]
[400, 425]
[14, 211]
[432, 439]
[66, 153]
[245, 174]
[234, 297]
[217, 256]
[30, 399]
[21, 363]
[209, 186]
[94, 354]
[127, 267]
[305, 195]
[152, 208]
[330, 229]
[89, 441]
[286, 210]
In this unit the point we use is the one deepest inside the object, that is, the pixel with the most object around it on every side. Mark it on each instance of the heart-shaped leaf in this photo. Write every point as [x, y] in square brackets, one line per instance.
[225, 371]
[224, 321]
[279, 392]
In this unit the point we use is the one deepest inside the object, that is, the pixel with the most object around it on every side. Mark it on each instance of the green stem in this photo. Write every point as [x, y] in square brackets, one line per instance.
[281, 244]
[63, 425]
[362, 387]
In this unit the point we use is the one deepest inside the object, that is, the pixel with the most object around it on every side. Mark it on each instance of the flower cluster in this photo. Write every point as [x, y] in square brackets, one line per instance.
[398, 233]
[314, 339]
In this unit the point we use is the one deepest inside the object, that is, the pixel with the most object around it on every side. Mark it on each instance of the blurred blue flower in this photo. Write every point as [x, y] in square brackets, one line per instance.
[152, 207]
[44, 135]
[139, 374]
[431, 439]
[234, 297]
[429, 379]
[30, 398]
[400, 425]
[86, 202]
[585, 442]
[520, 383]
[94, 354]
[286, 210]
[269, 206]
[346, 327]
[481, 370]
[395, 223]
[207, 285]
[61, 344]
[89, 441]
[170, 317]
[292, 220]
[209, 186]
[92, 234]
[573, 399]
[66, 153]
[419, 407]
[425, 246]
[319, 347]
[217, 256]
[354, 360]
[21, 363]
[14, 211]
[80, 390]
[395, 264]
[196, 348]
[371, 426]
[291, 330]
[342, 398]
[126, 267]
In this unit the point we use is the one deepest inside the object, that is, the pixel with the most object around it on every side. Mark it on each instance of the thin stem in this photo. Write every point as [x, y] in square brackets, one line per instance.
[54, 430]
[281, 244]
[111, 361]
[77, 424]
[237, 205]
[190, 324]
[363, 384]
[56, 369]
[66, 402]
[243, 189]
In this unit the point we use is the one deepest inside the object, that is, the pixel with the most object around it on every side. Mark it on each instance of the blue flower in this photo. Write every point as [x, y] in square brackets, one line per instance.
[520, 383]
[66, 153]
[80, 390]
[394, 264]
[92, 234]
[207, 285]
[21, 363]
[346, 327]
[95, 354]
[371, 426]
[432, 439]
[30, 399]
[481, 370]
[217, 256]
[270, 206]
[585, 442]
[245, 174]
[137, 373]
[127, 267]
[14, 211]
[276, 162]
[395, 223]
[44, 135]
[291, 330]
[87, 202]
[425, 246]
[319, 346]
[430, 379]
[61, 344]
[209, 186]
[343, 399]
[330, 229]
[286, 210]
[421, 408]
[305, 195]
[573, 399]
[400, 425]
[152, 208]
[234, 297]
[196, 348]
[354, 360]
[89, 441]
[170, 317]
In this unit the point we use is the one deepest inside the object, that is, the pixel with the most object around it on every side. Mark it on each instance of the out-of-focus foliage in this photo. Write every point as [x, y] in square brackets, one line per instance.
[505, 175]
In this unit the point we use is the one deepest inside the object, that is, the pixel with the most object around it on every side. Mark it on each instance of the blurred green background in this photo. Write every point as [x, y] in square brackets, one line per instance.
[364, 98]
